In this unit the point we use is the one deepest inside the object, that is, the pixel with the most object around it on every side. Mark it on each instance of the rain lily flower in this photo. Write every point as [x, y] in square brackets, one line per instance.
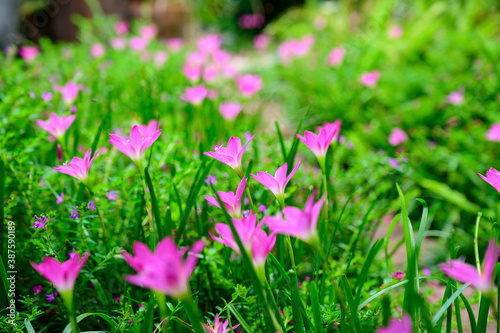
[230, 111]
[118, 43]
[60, 199]
[218, 327]
[336, 56]
[149, 129]
[78, 168]
[74, 213]
[69, 92]
[211, 180]
[164, 270]
[319, 143]
[395, 31]
[61, 275]
[51, 297]
[160, 58]
[40, 222]
[231, 155]
[56, 126]
[277, 183]
[456, 97]
[209, 43]
[121, 28]
[370, 79]
[111, 195]
[91, 205]
[295, 48]
[245, 227]
[493, 133]
[301, 224]
[29, 53]
[174, 44]
[195, 95]
[249, 84]
[193, 73]
[38, 289]
[492, 178]
[402, 325]
[136, 145]
[97, 50]
[262, 245]
[465, 273]
[333, 129]
[46, 96]
[148, 32]
[261, 42]
[397, 137]
[138, 43]
[231, 201]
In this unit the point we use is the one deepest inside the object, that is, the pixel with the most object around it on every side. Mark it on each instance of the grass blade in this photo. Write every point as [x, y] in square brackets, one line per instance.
[318, 326]
[353, 310]
[240, 319]
[366, 266]
[158, 225]
[448, 303]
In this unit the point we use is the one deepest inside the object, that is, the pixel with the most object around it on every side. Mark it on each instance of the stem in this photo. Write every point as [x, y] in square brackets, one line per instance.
[249, 196]
[148, 204]
[67, 297]
[101, 220]
[325, 188]
[192, 313]
[161, 299]
[476, 246]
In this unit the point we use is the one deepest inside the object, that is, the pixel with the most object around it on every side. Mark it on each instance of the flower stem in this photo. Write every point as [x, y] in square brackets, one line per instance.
[476, 246]
[161, 300]
[192, 313]
[101, 220]
[67, 297]
[148, 205]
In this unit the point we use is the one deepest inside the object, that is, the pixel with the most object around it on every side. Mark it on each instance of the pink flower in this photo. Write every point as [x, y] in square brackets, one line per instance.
[196, 59]
[209, 43]
[277, 183]
[69, 92]
[46, 96]
[51, 297]
[395, 31]
[336, 56]
[61, 275]
[38, 289]
[295, 48]
[333, 129]
[231, 201]
[121, 28]
[301, 224]
[493, 133]
[40, 222]
[97, 50]
[397, 137]
[136, 145]
[245, 227]
[29, 53]
[111, 195]
[398, 326]
[398, 275]
[165, 270]
[174, 44]
[370, 79]
[160, 58]
[149, 129]
[218, 327]
[78, 168]
[492, 178]
[211, 180]
[319, 143]
[465, 273]
[148, 32]
[60, 199]
[210, 73]
[456, 97]
[262, 245]
[251, 21]
[193, 73]
[393, 162]
[249, 84]
[195, 95]
[118, 43]
[261, 42]
[56, 126]
[138, 43]
[231, 155]
[221, 58]
[230, 111]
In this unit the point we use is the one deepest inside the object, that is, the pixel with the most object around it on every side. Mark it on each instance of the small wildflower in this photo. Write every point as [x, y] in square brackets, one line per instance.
[60, 199]
[38, 289]
[262, 208]
[211, 180]
[427, 271]
[117, 299]
[75, 214]
[111, 195]
[393, 162]
[46, 96]
[51, 297]
[91, 205]
[40, 222]
[398, 275]
[71, 255]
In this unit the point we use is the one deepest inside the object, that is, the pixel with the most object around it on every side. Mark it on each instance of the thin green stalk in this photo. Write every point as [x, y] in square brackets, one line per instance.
[148, 206]
[101, 220]
[161, 300]
[193, 314]
[476, 246]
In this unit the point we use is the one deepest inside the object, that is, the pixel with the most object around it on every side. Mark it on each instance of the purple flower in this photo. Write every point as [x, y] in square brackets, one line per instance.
[71, 255]
[40, 222]
[117, 299]
[211, 180]
[393, 162]
[32, 94]
[91, 205]
[52, 296]
[427, 271]
[75, 214]
[38, 289]
[60, 199]
[72, 108]
[262, 208]
[47, 96]
[398, 275]
[112, 195]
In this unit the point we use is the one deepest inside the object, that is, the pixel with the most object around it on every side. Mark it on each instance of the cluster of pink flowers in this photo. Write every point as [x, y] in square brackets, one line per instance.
[251, 21]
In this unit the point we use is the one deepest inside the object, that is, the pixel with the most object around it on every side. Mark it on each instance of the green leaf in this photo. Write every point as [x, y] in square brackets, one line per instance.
[282, 144]
[353, 310]
[448, 303]
[154, 203]
[147, 325]
[366, 266]
[448, 194]
[240, 319]
[107, 318]
[28, 326]
[318, 325]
